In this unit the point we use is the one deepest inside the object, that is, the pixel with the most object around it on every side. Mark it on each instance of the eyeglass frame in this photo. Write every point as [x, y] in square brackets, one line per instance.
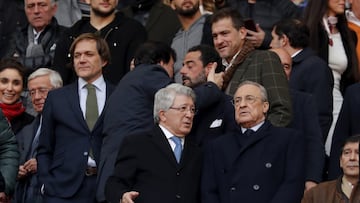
[184, 109]
[41, 91]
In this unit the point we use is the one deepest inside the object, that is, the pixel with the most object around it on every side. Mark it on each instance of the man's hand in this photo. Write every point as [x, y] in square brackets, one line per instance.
[257, 37]
[128, 197]
[309, 185]
[3, 198]
[31, 165]
[22, 172]
[217, 78]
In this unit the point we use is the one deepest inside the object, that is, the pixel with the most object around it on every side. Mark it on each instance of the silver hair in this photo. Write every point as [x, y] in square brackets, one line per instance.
[52, 2]
[54, 76]
[263, 92]
[164, 98]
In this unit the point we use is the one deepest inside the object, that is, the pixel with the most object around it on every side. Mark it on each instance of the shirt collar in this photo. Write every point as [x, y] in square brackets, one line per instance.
[254, 128]
[98, 83]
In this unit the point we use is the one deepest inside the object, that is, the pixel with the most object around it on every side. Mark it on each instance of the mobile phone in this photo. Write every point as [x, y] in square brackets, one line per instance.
[250, 24]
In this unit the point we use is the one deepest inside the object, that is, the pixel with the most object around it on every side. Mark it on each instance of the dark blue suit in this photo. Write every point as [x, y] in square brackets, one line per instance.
[305, 120]
[348, 124]
[267, 167]
[311, 74]
[65, 141]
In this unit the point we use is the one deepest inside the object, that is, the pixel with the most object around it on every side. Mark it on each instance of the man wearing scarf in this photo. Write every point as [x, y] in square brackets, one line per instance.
[34, 46]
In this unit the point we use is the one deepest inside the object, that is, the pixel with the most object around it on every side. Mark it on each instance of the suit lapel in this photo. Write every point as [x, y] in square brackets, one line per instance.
[74, 102]
[159, 139]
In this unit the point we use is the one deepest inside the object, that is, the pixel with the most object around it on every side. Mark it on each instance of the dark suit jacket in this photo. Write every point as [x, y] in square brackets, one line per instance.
[214, 121]
[146, 163]
[267, 167]
[25, 140]
[348, 124]
[305, 120]
[162, 23]
[311, 74]
[65, 141]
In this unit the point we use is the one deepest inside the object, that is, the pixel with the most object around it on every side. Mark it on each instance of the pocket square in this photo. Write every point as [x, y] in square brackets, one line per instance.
[216, 123]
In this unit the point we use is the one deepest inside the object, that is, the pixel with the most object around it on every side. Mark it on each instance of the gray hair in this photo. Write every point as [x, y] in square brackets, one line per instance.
[54, 76]
[52, 2]
[263, 93]
[164, 98]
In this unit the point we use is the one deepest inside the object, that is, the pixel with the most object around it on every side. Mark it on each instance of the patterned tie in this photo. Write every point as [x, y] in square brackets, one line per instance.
[178, 147]
[92, 112]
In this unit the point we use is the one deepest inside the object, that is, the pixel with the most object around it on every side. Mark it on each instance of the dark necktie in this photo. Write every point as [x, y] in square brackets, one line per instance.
[91, 112]
[248, 132]
[178, 147]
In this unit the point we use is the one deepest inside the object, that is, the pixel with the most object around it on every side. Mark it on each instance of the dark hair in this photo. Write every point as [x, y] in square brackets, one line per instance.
[351, 139]
[152, 52]
[295, 30]
[234, 15]
[101, 45]
[11, 63]
[314, 13]
[208, 55]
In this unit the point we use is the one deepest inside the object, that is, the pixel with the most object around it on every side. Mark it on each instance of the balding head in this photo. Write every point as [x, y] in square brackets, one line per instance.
[285, 59]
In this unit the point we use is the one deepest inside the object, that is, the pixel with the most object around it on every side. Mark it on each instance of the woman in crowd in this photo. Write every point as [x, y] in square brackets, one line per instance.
[335, 43]
[11, 85]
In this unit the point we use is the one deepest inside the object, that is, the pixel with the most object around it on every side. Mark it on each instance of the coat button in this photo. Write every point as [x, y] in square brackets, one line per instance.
[256, 187]
[86, 153]
[268, 165]
[177, 173]
[178, 196]
[232, 188]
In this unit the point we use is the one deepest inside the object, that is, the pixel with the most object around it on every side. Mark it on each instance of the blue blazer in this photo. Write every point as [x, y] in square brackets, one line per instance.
[348, 124]
[312, 75]
[65, 140]
[267, 167]
[305, 120]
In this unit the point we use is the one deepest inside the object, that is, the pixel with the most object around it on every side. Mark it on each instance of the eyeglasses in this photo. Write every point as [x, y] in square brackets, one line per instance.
[184, 109]
[248, 99]
[41, 91]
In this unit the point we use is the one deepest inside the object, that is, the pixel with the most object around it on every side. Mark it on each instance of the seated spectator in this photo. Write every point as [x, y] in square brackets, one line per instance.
[341, 189]
[161, 164]
[261, 163]
[12, 81]
[34, 46]
[70, 11]
[40, 82]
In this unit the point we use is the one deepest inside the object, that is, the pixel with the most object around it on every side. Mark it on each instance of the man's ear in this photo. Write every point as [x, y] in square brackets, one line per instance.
[284, 40]
[208, 68]
[242, 32]
[104, 63]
